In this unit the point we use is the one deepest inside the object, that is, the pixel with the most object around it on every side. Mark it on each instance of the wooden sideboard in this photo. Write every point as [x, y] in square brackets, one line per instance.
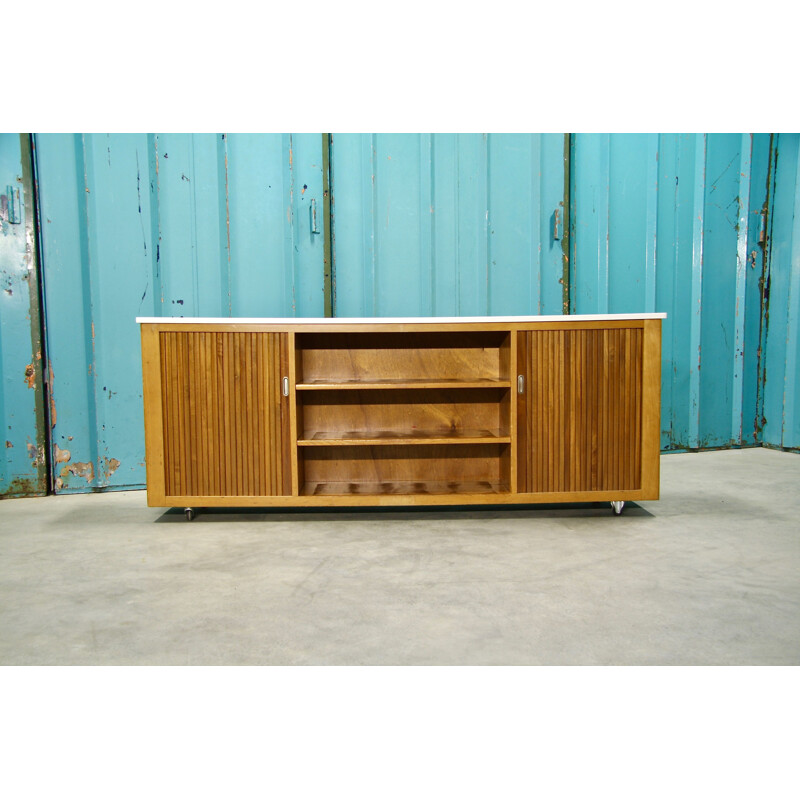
[416, 411]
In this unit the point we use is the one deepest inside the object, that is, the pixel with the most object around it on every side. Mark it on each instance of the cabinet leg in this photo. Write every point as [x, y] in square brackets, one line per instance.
[190, 513]
[617, 506]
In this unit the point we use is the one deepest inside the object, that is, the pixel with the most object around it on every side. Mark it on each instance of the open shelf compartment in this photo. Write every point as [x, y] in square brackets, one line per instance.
[403, 416]
[400, 359]
[411, 469]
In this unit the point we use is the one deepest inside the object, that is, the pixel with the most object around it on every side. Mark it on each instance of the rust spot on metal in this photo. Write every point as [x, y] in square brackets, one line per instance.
[62, 455]
[22, 487]
[30, 376]
[8, 444]
[81, 469]
[110, 466]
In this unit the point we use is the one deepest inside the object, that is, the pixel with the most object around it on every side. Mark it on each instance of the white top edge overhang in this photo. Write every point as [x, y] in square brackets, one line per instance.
[392, 320]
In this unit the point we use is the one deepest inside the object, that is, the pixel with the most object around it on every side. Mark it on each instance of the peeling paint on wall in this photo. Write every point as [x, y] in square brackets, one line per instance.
[110, 466]
[81, 469]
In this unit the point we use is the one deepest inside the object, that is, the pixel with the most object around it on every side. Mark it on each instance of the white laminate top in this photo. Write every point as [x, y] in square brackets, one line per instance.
[389, 320]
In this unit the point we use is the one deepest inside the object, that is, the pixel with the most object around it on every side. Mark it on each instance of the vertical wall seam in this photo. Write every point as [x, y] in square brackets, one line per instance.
[329, 276]
[288, 276]
[372, 298]
[433, 223]
[425, 199]
[697, 289]
[228, 226]
[603, 222]
[761, 380]
[483, 298]
[536, 210]
[567, 258]
[742, 230]
[651, 222]
[571, 267]
[155, 225]
[457, 226]
[674, 351]
[89, 318]
[33, 221]
[193, 228]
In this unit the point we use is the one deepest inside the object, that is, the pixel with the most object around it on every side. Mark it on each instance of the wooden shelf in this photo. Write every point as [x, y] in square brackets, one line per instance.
[403, 383]
[377, 438]
[331, 488]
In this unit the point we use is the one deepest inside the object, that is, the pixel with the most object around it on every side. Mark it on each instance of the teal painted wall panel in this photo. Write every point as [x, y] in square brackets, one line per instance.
[22, 456]
[447, 224]
[781, 408]
[160, 225]
[422, 224]
[668, 222]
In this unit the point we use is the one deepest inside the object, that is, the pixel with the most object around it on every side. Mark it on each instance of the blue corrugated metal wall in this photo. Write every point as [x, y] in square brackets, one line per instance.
[668, 222]
[781, 376]
[23, 463]
[447, 224]
[160, 225]
[429, 224]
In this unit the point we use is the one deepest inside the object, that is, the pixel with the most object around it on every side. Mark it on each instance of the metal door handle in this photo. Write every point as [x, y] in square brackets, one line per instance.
[557, 229]
[285, 387]
[314, 228]
[521, 384]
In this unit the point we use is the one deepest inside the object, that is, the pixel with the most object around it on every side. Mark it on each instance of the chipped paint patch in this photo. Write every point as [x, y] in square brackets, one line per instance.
[110, 466]
[80, 469]
[8, 444]
[30, 376]
[62, 456]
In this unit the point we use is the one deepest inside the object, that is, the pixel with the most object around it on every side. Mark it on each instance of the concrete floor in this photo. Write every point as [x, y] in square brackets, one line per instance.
[708, 575]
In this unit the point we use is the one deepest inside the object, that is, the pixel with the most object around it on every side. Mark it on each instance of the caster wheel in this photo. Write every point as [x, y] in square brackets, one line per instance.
[190, 513]
[617, 506]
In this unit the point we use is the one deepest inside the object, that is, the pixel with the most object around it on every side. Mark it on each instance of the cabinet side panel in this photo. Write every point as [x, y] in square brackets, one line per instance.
[651, 409]
[153, 415]
[223, 421]
[583, 412]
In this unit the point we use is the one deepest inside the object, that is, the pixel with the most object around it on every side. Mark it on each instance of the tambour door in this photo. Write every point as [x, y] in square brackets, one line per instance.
[588, 410]
[216, 419]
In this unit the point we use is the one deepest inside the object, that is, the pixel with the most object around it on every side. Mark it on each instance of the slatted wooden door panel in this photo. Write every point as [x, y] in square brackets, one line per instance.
[580, 415]
[225, 421]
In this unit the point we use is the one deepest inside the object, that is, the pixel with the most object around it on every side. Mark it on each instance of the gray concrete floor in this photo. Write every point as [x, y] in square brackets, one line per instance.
[708, 575]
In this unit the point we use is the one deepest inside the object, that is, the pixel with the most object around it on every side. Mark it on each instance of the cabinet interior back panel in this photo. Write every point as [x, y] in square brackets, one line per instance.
[224, 433]
[407, 411]
[410, 356]
[581, 413]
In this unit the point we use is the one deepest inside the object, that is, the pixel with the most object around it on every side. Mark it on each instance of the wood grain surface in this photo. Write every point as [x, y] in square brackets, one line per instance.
[225, 422]
[580, 417]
